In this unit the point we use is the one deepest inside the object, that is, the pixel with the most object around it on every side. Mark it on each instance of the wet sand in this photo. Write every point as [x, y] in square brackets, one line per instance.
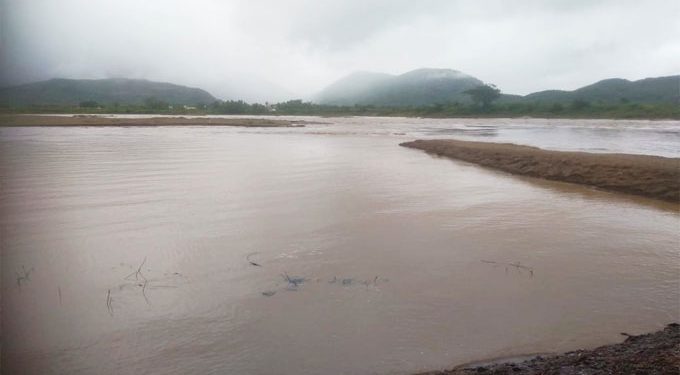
[654, 353]
[93, 120]
[649, 176]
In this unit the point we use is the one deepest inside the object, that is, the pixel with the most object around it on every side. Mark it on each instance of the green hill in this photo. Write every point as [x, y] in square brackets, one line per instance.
[102, 91]
[424, 87]
[616, 90]
[415, 88]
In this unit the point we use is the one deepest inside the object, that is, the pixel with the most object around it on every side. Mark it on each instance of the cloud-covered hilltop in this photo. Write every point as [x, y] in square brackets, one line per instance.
[414, 88]
[444, 86]
[420, 87]
[103, 91]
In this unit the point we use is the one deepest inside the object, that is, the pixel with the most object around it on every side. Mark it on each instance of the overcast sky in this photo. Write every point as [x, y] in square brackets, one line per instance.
[272, 50]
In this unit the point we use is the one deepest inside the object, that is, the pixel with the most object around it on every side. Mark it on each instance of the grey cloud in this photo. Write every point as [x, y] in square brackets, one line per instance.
[271, 50]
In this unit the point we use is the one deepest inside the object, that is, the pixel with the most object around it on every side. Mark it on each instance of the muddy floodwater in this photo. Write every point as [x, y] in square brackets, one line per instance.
[324, 249]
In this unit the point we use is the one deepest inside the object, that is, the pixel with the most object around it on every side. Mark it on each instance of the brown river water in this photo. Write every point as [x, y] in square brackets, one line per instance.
[128, 250]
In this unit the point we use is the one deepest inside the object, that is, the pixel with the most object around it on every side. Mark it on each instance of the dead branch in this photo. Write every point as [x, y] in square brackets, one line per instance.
[251, 262]
[517, 266]
[109, 304]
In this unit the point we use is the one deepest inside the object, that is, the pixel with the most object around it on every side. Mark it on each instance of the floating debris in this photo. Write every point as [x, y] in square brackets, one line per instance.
[137, 274]
[109, 301]
[294, 281]
[144, 291]
[138, 280]
[517, 266]
[24, 276]
[251, 262]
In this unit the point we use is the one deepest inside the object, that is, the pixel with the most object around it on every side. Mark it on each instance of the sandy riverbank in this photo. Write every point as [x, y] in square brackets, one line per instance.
[649, 176]
[91, 120]
[653, 354]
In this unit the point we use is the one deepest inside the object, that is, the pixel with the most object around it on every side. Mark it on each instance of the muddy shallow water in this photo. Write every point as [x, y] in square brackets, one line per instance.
[128, 250]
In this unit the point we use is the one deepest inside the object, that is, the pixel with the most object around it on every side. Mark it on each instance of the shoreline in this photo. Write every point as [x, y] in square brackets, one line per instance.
[505, 115]
[643, 175]
[95, 120]
[652, 353]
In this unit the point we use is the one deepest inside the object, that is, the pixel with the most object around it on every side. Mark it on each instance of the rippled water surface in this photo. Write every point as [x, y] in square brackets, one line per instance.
[129, 250]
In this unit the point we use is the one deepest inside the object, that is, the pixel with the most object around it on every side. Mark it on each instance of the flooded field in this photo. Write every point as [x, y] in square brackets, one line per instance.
[324, 249]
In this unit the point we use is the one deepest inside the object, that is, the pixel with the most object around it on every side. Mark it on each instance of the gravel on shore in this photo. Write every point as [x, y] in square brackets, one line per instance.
[655, 353]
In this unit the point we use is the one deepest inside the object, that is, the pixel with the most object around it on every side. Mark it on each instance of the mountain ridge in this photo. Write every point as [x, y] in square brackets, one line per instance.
[416, 87]
[665, 89]
[64, 91]
[427, 86]
[419, 87]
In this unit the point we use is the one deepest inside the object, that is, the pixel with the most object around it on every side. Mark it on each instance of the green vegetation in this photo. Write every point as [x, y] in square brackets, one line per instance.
[425, 87]
[100, 92]
[415, 88]
[484, 95]
[574, 109]
[616, 90]
[439, 93]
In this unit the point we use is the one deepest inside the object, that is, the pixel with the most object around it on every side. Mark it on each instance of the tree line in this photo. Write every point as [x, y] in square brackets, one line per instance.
[483, 103]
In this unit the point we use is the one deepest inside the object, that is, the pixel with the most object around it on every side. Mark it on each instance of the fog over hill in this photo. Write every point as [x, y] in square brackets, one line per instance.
[103, 91]
[414, 88]
[420, 87]
[444, 86]
[278, 50]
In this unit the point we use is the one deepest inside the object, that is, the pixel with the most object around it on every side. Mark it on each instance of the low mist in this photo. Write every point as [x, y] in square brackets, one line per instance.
[272, 51]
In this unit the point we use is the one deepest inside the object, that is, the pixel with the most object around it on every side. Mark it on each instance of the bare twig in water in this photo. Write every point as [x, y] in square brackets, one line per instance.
[137, 274]
[24, 276]
[251, 262]
[144, 291]
[109, 300]
[517, 266]
[139, 270]
[293, 281]
[59, 292]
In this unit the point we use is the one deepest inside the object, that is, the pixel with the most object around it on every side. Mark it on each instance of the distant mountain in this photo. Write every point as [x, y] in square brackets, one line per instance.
[414, 88]
[104, 91]
[433, 86]
[615, 90]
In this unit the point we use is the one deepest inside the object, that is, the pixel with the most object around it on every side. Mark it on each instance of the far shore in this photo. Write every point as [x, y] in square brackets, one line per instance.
[95, 120]
[644, 175]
